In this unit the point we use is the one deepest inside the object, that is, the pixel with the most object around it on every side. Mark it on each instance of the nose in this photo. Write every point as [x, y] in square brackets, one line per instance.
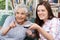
[20, 15]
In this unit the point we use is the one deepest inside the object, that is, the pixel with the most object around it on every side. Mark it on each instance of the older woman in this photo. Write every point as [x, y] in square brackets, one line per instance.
[15, 27]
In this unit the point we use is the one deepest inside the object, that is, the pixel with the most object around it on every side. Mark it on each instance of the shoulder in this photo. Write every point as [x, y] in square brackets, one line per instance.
[55, 21]
[28, 23]
[10, 18]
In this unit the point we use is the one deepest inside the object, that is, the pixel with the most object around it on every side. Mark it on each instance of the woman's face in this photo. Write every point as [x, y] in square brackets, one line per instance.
[20, 15]
[42, 12]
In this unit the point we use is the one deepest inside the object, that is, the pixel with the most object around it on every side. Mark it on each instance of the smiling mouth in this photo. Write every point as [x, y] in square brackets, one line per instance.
[20, 18]
[41, 15]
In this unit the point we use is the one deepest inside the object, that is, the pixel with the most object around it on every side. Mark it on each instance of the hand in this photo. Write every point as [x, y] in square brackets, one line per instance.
[12, 25]
[29, 32]
[34, 27]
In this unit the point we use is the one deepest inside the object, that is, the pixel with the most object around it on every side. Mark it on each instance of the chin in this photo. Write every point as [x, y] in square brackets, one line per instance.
[42, 18]
[19, 20]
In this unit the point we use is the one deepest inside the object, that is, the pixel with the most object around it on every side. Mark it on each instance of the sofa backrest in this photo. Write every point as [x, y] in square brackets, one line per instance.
[3, 19]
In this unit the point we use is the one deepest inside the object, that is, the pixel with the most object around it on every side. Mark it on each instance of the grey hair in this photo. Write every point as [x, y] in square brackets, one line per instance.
[20, 6]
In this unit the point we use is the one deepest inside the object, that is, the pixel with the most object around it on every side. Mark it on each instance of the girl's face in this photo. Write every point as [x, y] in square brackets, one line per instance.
[42, 12]
[20, 15]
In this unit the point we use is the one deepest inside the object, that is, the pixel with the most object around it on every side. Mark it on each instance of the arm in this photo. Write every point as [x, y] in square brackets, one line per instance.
[42, 31]
[5, 30]
[6, 26]
[45, 34]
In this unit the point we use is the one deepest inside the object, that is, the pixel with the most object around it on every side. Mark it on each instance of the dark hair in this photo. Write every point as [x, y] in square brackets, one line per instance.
[50, 13]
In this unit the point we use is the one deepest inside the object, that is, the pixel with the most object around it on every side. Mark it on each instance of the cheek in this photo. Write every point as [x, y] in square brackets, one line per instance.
[23, 17]
[16, 15]
[46, 14]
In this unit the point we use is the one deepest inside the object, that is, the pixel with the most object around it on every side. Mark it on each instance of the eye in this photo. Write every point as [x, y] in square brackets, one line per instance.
[17, 12]
[43, 10]
[22, 13]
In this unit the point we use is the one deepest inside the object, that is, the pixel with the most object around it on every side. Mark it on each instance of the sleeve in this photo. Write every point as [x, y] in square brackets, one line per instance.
[58, 33]
[8, 20]
[55, 29]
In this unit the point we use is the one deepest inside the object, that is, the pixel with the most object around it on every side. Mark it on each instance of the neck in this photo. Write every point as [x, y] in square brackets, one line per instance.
[21, 23]
[45, 20]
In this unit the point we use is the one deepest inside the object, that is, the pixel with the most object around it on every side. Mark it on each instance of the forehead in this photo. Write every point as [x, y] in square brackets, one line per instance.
[20, 10]
[41, 7]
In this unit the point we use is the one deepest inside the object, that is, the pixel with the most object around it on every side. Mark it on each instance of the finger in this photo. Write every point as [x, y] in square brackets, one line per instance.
[29, 32]
[31, 28]
[14, 24]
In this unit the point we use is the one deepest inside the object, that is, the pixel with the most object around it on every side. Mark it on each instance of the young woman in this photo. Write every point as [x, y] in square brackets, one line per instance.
[46, 24]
